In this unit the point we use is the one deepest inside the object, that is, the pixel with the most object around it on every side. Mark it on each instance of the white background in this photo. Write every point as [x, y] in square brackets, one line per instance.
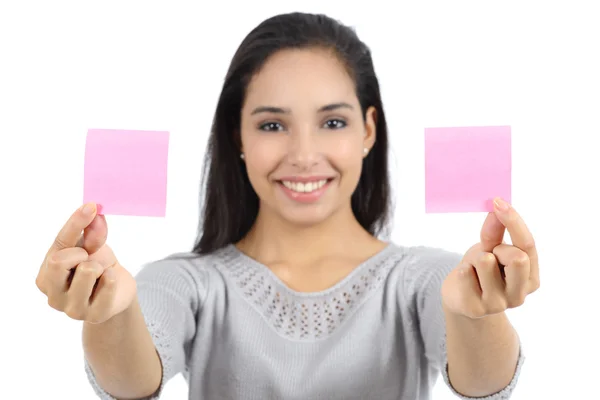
[69, 66]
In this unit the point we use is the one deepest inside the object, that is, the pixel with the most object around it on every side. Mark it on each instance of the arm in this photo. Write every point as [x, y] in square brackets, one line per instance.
[477, 357]
[483, 348]
[482, 353]
[122, 355]
[136, 354]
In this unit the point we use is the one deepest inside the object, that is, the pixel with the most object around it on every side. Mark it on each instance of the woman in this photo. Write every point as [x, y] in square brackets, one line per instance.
[289, 293]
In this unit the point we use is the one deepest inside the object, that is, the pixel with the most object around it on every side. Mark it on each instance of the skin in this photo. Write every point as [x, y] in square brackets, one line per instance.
[302, 117]
[308, 246]
[81, 277]
[312, 247]
[483, 347]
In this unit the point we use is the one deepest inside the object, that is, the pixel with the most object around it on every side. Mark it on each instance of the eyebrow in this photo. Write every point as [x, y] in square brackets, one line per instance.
[279, 110]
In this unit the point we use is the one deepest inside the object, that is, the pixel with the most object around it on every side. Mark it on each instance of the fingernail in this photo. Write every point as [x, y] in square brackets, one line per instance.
[88, 209]
[501, 205]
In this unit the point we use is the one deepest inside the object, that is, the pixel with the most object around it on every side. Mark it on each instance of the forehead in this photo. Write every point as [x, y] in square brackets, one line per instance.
[301, 75]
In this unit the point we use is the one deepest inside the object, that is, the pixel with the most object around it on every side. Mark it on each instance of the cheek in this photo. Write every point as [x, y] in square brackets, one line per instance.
[262, 157]
[346, 154]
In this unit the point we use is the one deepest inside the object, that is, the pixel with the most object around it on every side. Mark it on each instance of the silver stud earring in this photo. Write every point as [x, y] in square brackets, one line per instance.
[242, 156]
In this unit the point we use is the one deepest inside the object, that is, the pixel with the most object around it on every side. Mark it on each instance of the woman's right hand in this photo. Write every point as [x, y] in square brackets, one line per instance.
[80, 274]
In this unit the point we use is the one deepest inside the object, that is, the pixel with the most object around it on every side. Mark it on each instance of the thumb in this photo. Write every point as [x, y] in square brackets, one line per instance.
[95, 234]
[492, 233]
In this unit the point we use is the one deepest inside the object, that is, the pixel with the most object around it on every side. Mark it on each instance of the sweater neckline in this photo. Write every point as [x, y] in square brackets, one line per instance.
[305, 316]
[241, 257]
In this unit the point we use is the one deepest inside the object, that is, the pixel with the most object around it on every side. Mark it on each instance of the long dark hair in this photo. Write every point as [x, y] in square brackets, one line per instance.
[230, 203]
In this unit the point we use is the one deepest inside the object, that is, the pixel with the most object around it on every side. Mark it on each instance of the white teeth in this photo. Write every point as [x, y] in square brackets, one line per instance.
[306, 187]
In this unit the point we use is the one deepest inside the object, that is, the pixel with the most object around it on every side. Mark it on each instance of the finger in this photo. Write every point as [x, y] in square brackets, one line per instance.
[95, 234]
[84, 281]
[70, 233]
[470, 280]
[521, 237]
[491, 282]
[59, 266]
[57, 298]
[461, 291]
[56, 273]
[103, 297]
[469, 277]
[516, 269]
[492, 232]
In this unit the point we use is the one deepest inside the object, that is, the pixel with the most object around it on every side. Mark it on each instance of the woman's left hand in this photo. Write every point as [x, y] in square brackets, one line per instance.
[493, 276]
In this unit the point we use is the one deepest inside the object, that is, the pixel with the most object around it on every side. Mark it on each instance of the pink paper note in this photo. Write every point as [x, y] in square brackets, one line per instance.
[466, 168]
[125, 171]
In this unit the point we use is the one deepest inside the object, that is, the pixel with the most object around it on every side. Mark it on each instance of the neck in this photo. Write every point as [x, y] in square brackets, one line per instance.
[276, 240]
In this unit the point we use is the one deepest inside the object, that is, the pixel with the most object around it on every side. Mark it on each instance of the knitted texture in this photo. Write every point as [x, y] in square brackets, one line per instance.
[236, 331]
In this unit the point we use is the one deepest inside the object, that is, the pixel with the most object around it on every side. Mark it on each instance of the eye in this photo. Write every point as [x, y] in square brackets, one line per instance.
[335, 124]
[271, 127]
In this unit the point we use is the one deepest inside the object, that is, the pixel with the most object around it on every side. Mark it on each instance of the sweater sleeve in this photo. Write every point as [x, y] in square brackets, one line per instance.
[426, 274]
[170, 293]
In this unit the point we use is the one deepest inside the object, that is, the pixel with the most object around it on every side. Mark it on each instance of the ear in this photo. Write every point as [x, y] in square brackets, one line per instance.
[370, 128]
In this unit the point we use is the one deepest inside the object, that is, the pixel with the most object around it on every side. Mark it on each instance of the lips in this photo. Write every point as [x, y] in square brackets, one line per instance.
[305, 189]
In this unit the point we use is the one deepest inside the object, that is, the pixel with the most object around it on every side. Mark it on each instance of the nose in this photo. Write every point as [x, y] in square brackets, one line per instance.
[303, 151]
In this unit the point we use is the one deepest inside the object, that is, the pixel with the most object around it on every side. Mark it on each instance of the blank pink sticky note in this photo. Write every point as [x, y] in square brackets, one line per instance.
[466, 168]
[126, 171]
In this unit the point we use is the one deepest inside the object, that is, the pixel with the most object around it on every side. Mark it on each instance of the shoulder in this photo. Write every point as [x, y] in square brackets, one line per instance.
[425, 258]
[180, 273]
[422, 258]
[424, 266]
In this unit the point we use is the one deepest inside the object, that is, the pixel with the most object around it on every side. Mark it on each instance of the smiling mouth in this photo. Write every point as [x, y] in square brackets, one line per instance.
[305, 187]
[302, 186]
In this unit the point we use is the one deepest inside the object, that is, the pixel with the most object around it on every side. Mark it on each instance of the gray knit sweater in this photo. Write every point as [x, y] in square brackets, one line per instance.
[236, 331]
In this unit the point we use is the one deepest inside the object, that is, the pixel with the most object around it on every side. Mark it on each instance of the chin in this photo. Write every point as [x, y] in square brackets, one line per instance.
[305, 218]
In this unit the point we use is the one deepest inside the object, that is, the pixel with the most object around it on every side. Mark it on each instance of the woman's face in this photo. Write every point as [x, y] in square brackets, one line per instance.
[303, 136]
